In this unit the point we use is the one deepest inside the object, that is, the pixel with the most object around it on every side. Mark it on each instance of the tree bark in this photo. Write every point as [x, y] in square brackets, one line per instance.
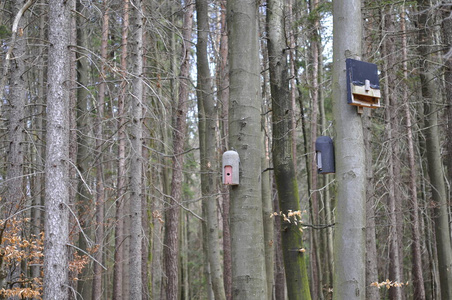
[171, 257]
[207, 141]
[223, 96]
[100, 194]
[417, 270]
[136, 165]
[292, 244]
[349, 240]
[84, 159]
[57, 154]
[248, 256]
[388, 52]
[121, 181]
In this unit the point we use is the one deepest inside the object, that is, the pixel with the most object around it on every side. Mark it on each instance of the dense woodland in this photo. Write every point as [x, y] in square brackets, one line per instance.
[115, 114]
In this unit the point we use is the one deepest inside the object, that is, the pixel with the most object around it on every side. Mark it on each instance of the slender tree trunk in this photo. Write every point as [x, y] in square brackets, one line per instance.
[121, 182]
[349, 239]
[100, 195]
[293, 251]
[57, 155]
[73, 145]
[208, 142]
[446, 27]
[418, 277]
[316, 268]
[248, 256]
[388, 52]
[15, 196]
[223, 96]
[84, 284]
[171, 258]
[435, 166]
[372, 293]
[136, 166]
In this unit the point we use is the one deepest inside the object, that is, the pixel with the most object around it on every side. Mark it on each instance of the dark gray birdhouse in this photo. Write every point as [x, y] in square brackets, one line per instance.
[363, 86]
[231, 164]
[324, 151]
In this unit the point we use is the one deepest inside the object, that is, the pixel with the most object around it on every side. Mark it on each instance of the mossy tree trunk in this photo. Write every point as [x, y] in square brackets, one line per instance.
[292, 243]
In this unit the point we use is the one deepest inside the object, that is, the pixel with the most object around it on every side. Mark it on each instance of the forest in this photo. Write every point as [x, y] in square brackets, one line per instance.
[175, 149]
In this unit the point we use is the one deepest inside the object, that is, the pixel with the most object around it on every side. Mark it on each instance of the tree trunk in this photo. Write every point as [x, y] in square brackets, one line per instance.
[435, 166]
[349, 239]
[121, 182]
[248, 256]
[292, 244]
[84, 160]
[316, 291]
[208, 152]
[16, 124]
[418, 277]
[388, 52]
[372, 293]
[100, 194]
[57, 153]
[136, 169]
[171, 258]
[223, 96]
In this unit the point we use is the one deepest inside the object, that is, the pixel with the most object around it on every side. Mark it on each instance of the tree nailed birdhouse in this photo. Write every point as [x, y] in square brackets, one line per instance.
[324, 151]
[363, 86]
[231, 164]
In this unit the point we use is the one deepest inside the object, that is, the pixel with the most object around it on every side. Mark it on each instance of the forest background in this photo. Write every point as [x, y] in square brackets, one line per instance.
[114, 116]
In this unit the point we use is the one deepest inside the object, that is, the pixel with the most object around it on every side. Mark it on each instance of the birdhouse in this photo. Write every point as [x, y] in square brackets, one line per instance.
[363, 86]
[231, 164]
[324, 151]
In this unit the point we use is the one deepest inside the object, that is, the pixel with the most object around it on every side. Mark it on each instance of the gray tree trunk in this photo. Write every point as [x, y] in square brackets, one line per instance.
[349, 240]
[15, 123]
[248, 256]
[372, 293]
[121, 182]
[57, 154]
[84, 160]
[207, 142]
[292, 243]
[223, 96]
[171, 258]
[100, 193]
[388, 52]
[417, 270]
[136, 169]
[435, 166]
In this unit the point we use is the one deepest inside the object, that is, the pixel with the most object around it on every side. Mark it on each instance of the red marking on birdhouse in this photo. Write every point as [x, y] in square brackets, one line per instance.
[227, 174]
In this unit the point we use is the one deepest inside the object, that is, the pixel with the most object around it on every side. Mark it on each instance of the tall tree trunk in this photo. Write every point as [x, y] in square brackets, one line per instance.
[16, 123]
[292, 243]
[349, 239]
[171, 258]
[388, 52]
[372, 293]
[100, 194]
[208, 152]
[418, 277]
[84, 284]
[248, 256]
[136, 165]
[316, 268]
[223, 96]
[57, 154]
[14, 196]
[435, 166]
[121, 181]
